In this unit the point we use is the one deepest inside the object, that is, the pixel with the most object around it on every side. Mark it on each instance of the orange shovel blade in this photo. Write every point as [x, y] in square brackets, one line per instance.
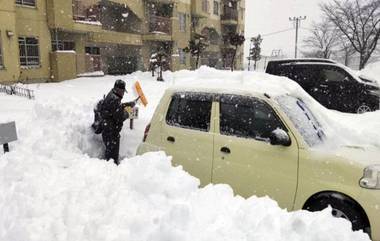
[140, 93]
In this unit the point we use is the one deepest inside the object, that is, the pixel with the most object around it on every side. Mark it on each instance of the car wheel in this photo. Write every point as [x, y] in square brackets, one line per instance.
[343, 208]
[363, 108]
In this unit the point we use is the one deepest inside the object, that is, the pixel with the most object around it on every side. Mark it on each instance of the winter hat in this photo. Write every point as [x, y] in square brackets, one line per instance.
[120, 84]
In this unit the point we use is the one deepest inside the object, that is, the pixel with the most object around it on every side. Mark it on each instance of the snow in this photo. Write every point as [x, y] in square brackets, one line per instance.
[372, 71]
[66, 51]
[89, 22]
[54, 186]
[158, 32]
[92, 74]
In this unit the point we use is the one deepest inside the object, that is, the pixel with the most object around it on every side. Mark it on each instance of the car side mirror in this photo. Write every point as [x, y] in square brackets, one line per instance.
[279, 137]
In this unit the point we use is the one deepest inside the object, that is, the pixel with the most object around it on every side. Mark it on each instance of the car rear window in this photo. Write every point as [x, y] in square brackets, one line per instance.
[190, 110]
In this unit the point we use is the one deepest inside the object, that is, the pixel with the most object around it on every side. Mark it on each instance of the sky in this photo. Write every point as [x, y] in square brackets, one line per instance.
[269, 16]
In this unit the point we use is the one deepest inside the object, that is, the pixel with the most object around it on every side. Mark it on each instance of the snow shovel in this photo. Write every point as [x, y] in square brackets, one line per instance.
[140, 93]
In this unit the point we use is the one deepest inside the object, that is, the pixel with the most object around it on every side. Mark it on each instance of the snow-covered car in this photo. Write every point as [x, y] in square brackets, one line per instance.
[333, 85]
[265, 146]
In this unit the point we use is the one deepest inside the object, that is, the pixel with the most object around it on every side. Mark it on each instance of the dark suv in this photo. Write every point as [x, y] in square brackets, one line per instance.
[331, 84]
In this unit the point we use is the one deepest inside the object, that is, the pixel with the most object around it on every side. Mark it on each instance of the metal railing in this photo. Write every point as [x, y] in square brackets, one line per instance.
[16, 90]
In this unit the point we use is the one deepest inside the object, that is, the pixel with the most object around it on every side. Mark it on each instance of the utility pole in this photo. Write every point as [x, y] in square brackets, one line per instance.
[297, 21]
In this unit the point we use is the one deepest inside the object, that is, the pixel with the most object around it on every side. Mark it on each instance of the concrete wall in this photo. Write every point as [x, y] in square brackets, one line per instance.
[9, 44]
[63, 66]
[181, 39]
[60, 14]
[32, 22]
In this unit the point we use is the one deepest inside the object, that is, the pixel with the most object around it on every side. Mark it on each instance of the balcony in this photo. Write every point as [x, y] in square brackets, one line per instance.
[230, 14]
[160, 25]
[86, 11]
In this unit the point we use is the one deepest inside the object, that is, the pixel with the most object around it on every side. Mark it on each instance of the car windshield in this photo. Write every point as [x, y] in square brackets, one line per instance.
[303, 119]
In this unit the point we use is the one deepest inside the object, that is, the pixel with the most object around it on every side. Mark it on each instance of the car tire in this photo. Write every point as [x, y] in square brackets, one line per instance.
[342, 207]
[363, 108]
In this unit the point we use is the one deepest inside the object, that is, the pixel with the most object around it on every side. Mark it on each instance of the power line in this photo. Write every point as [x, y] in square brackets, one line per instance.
[277, 32]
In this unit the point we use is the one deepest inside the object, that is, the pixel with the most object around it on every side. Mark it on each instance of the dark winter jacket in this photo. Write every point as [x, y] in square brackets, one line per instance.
[113, 113]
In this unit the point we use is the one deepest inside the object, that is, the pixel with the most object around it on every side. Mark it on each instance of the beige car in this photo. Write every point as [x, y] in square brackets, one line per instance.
[262, 145]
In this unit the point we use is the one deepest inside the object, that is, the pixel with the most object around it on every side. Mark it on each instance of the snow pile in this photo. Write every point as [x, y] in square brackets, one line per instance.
[372, 71]
[53, 186]
[144, 198]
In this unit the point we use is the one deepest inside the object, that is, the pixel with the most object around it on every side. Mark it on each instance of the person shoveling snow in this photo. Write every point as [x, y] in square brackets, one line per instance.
[112, 115]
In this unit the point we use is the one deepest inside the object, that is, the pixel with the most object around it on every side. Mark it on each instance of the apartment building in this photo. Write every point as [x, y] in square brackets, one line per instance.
[54, 40]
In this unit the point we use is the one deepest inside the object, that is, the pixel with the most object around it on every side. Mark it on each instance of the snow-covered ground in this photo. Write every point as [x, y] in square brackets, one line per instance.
[54, 186]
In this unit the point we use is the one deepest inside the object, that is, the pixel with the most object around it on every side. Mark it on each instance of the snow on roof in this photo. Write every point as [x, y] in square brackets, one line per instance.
[224, 81]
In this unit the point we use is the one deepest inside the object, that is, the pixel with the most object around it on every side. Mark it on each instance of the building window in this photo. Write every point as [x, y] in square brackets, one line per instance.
[182, 22]
[29, 51]
[63, 45]
[205, 6]
[26, 2]
[216, 8]
[92, 50]
[182, 56]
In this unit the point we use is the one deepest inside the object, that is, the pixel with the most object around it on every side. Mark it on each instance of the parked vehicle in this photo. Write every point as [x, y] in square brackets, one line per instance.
[262, 145]
[331, 84]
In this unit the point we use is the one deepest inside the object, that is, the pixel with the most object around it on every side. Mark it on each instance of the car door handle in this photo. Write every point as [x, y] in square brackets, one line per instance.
[225, 150]
[170, 139]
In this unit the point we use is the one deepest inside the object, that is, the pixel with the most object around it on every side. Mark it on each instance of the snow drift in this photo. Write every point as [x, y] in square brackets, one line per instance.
[54, 186]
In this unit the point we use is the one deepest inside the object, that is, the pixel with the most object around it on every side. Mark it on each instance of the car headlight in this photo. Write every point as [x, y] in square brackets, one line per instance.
[371, 177]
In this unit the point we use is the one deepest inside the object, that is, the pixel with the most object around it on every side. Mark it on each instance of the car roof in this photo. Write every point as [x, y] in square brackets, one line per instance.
[312, 63]
[220, 90]
[302, 60]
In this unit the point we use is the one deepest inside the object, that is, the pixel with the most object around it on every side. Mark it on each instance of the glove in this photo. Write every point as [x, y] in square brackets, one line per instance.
[128, 104]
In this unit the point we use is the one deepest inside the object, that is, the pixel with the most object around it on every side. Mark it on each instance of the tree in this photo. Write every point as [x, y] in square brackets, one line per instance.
[158, 61]
[236, 40]
[255, 51]
[359, 21]
[322, 40]
[345, 48]
[196, 47]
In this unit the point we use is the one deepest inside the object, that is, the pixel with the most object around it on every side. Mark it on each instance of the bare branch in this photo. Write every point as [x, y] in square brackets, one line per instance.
[358, 21]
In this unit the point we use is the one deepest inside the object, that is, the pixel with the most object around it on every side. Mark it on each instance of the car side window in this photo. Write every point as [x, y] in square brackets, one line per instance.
[190, 110]
[334, 75]
[247, 117]
[302, 74]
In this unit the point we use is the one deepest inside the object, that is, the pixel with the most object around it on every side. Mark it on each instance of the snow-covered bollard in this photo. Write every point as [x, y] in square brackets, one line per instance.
[7, 134]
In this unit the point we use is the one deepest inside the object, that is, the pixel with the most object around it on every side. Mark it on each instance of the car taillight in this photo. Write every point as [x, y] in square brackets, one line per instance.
[146, 132]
